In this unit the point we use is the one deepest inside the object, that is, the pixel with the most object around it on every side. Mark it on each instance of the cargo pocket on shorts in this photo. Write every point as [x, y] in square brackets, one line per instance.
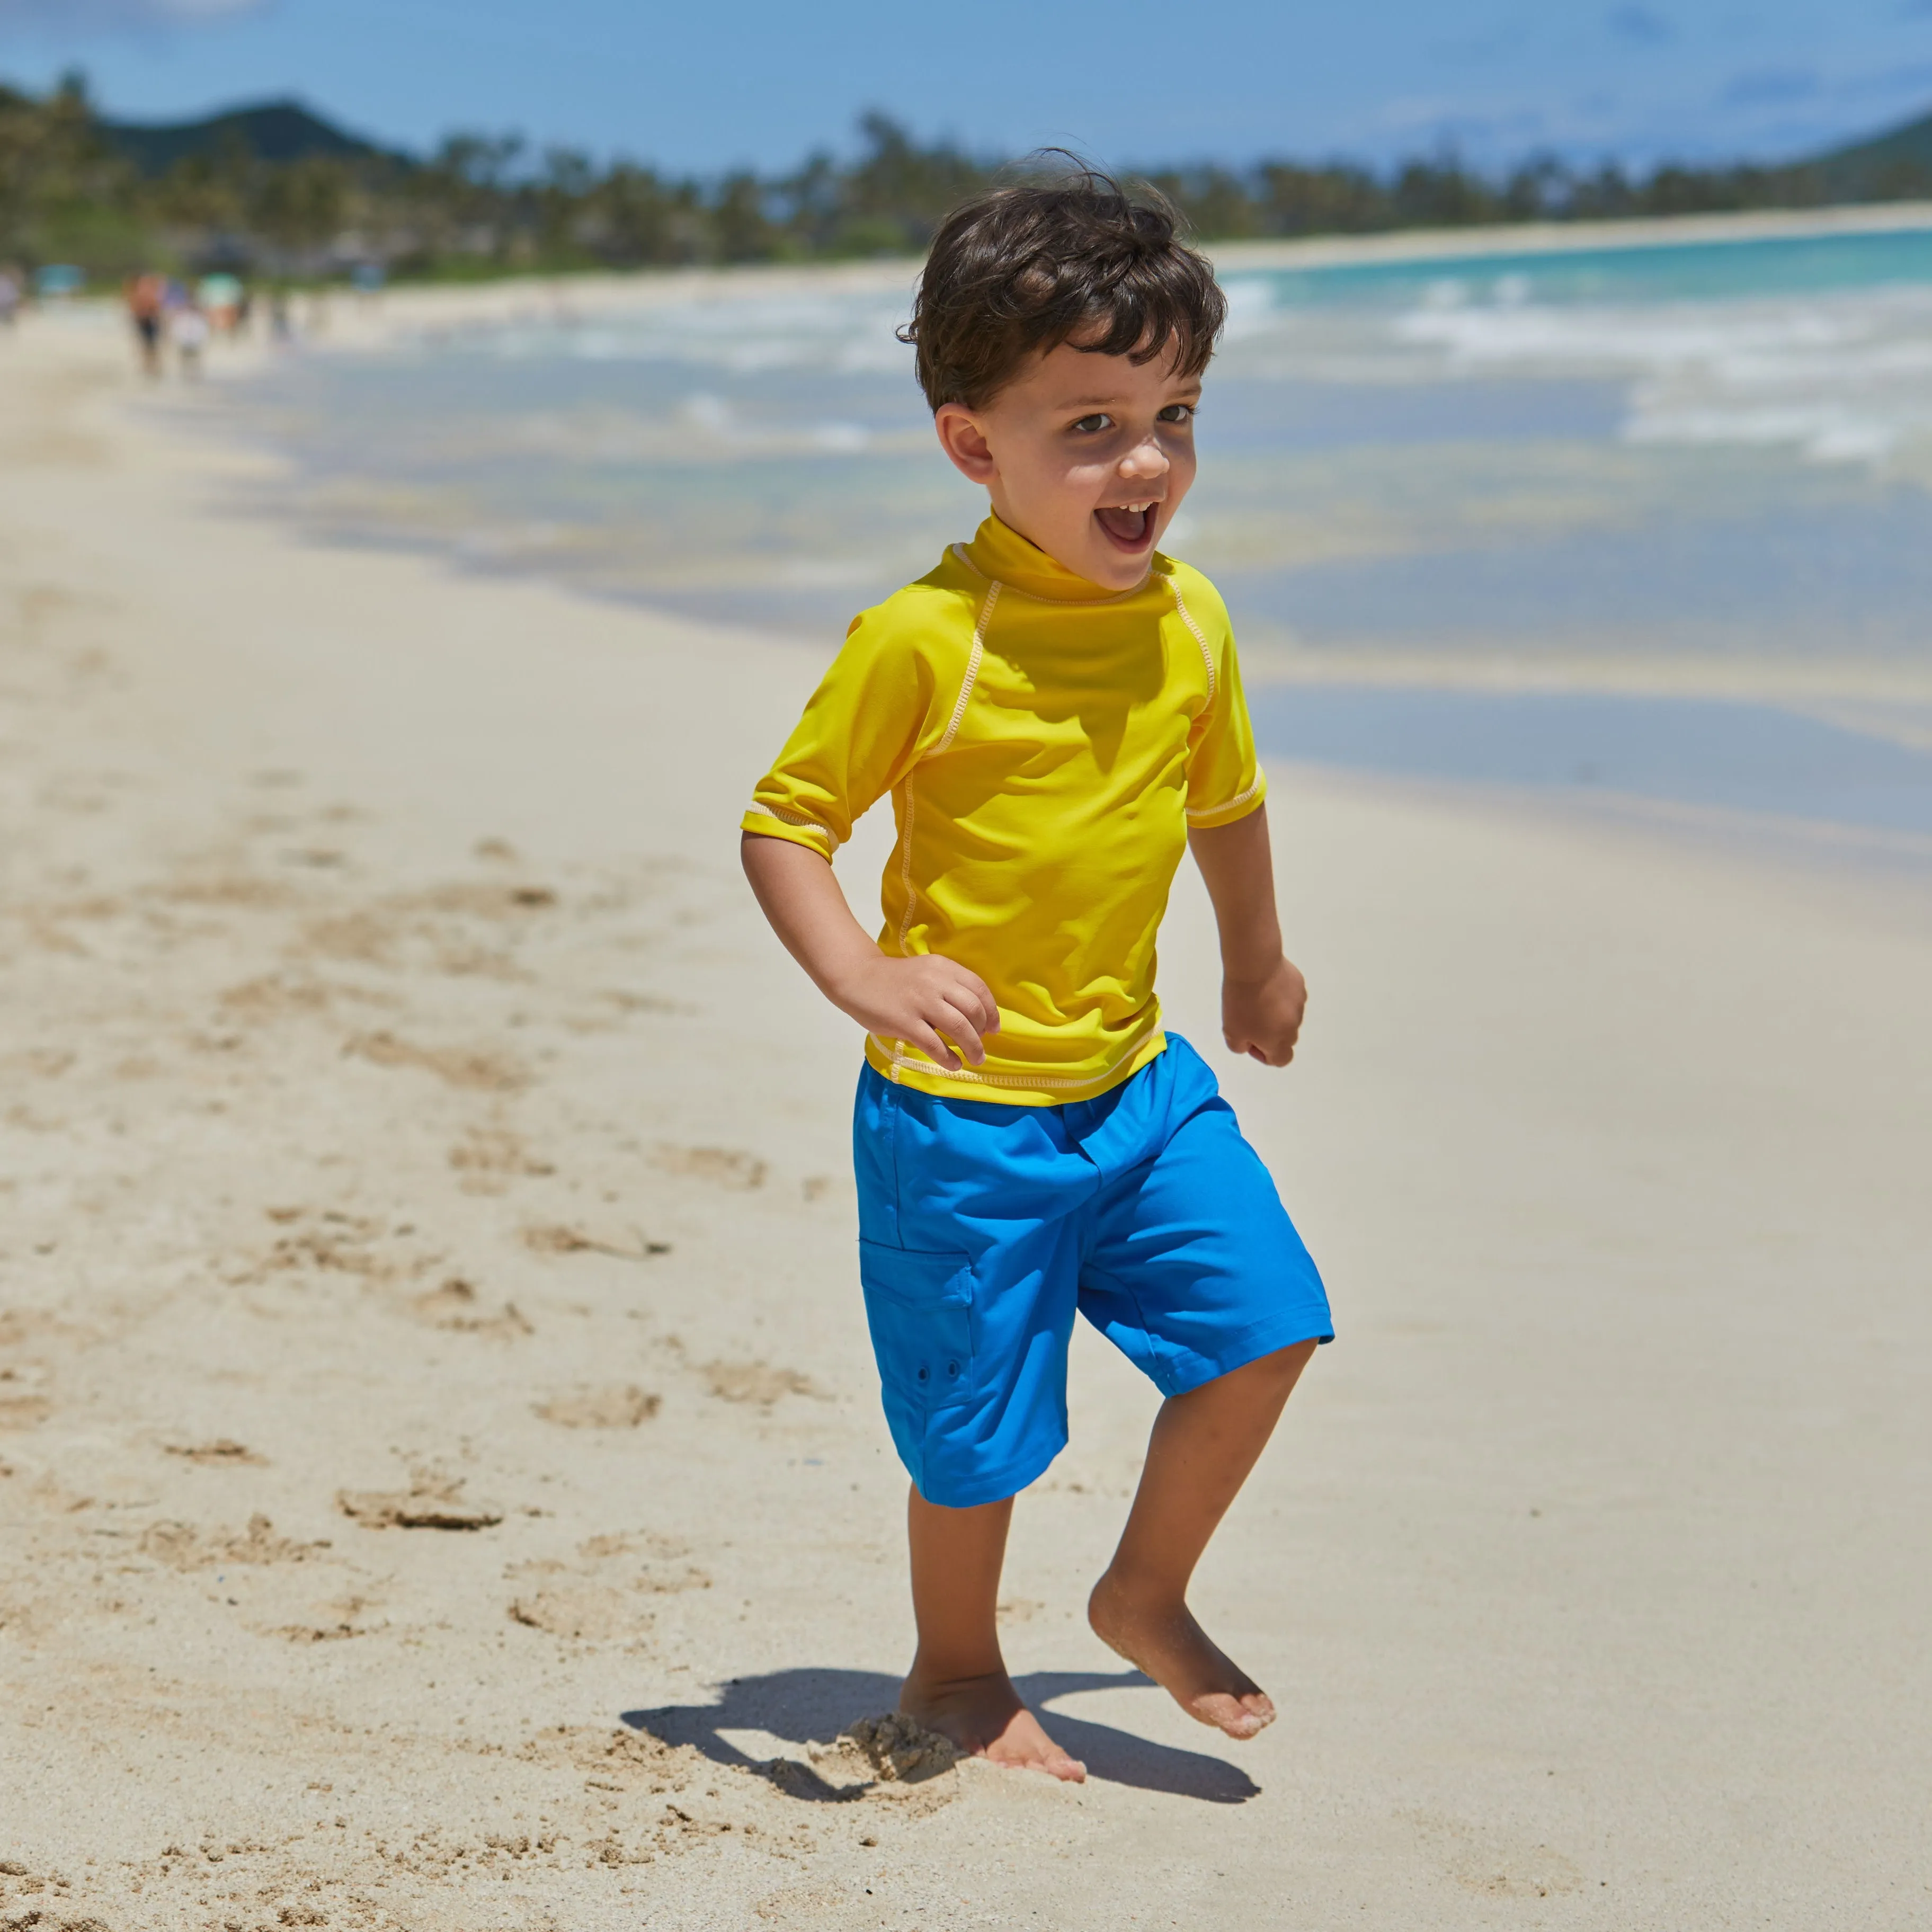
[919, 1306]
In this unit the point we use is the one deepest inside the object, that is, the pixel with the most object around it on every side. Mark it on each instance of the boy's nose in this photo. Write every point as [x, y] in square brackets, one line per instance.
[1148, 459]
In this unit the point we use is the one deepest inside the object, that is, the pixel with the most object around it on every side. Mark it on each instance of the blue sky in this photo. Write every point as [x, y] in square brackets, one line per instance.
[703, 87]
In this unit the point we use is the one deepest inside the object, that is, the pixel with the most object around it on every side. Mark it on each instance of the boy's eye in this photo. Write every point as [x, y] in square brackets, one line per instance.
[1177, 413]
[1093, 425]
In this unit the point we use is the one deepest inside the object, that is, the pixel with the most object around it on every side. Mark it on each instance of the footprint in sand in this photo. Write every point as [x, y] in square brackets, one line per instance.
[217, 886]
[475, 1070]
[24, 1403]
[489, 1158]
[723, 1167]
[667, 1570]
[624, 1408]
[554, 1238]
[325, 1240]
[224, 1450]
[344, 1614]
[275, 996]
[888, 1758]
[584, 1600]
[592, 1613]
[622, 1759]
[756, 1381]
[21, 1411]
[357, 938]
[430, 1502]
[44, 1063]
[477, 899]
[898, 1749]
[181, 1546]
[455, 1306]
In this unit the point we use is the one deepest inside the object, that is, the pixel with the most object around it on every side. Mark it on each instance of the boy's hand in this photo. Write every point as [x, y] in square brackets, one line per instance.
[1262, 993]
[928, 1002]
[933, 1005]
[1262, 1018]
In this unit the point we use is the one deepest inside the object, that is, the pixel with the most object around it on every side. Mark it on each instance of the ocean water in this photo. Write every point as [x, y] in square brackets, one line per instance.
[1499, 518]
[1718, 764]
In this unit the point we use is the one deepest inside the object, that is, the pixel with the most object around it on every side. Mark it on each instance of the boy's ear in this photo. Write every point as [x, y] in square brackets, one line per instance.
[961, 438]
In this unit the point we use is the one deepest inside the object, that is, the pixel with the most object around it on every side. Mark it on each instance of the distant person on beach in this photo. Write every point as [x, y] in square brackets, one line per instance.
[1056, 711]
[146, 296]
[188, 333]
[12, 290]
[220, 298]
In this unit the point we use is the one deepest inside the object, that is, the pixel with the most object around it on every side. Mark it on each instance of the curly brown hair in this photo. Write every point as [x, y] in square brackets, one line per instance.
[1017, 270]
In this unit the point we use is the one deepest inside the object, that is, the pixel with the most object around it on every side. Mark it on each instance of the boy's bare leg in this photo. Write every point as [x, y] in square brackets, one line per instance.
[958, 1685]
[1203, 1446]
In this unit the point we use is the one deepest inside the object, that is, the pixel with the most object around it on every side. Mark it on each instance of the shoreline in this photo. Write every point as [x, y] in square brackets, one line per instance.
[1886, 700]
[521, 296]
[1272, 653]
[514, 296]
[1807, 687]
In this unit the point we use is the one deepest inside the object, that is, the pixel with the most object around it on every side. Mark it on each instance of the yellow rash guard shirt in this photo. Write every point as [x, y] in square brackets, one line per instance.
[1048, 744]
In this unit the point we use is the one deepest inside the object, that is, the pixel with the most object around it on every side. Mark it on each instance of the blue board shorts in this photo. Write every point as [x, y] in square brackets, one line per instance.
[983, 1227]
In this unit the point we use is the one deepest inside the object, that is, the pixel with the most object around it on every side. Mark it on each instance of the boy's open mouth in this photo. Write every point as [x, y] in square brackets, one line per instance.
[1130, 525]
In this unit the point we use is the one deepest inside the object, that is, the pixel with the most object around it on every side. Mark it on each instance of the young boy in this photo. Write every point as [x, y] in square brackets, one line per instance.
[1056, 712]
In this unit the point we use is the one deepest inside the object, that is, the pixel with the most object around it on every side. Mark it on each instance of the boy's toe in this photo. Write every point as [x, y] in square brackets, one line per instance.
[1024, 1746]
[1238, 1716]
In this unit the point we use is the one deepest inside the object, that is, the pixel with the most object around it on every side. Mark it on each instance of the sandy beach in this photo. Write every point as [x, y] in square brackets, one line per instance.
[442, 1477]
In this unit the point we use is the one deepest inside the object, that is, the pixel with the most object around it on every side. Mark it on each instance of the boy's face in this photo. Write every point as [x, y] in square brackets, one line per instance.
[1088, 456]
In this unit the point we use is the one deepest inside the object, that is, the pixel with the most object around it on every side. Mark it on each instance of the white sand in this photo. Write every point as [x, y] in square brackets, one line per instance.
[371, 934]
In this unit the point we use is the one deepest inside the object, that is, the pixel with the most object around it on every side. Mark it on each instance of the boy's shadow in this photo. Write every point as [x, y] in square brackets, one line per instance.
[804, 1705]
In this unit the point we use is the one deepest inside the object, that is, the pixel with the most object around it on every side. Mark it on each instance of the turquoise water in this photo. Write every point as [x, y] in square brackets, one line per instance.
[1701, 466]
[1779, 266]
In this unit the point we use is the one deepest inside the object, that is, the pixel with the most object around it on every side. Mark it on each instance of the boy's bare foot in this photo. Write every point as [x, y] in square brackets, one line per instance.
[1163, 1639]
[985, 1717]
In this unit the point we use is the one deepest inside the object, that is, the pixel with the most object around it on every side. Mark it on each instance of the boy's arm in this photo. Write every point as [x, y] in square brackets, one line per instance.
[926, 1000]
[1262, 993]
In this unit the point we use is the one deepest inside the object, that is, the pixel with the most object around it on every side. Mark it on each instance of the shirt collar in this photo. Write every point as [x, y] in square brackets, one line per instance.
[998, 550]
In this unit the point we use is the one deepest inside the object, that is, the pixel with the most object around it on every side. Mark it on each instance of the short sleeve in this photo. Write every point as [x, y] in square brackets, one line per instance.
[861, 730]
[1225, 780]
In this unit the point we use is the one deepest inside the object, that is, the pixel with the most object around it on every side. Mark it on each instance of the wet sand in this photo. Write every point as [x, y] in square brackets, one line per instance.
[442, 1479]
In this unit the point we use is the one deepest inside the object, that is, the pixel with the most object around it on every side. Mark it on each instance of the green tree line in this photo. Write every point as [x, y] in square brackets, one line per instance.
[485, 205]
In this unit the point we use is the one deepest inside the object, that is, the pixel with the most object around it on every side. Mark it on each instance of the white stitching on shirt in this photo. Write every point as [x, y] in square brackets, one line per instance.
[973, 661]
[905, 869]
[1187, 618]
[785, 817]
[972, 677]
[1227, 805]
[903, 1060]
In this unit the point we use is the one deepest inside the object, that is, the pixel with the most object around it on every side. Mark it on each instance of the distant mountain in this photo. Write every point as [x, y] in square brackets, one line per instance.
[273, 130]
[1893, 165]
[1898, 162]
